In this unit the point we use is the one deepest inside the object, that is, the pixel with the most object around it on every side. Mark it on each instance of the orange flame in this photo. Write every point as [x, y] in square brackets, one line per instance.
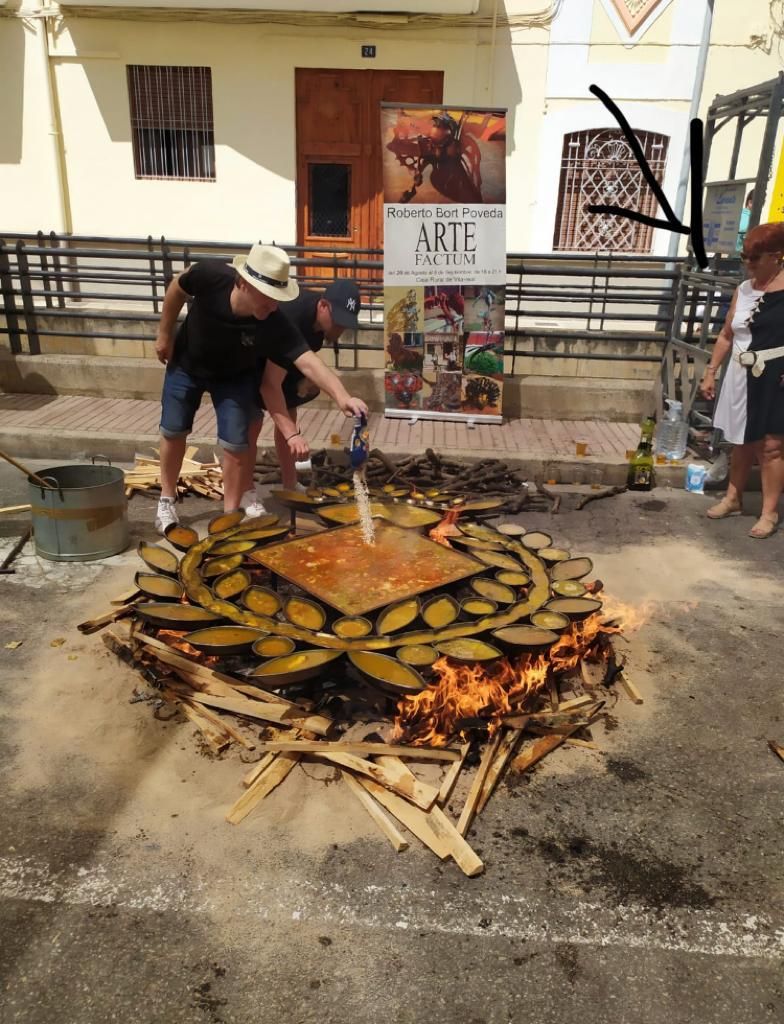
[628, 618]
[446, 528]
[174, 638]
[461, 692]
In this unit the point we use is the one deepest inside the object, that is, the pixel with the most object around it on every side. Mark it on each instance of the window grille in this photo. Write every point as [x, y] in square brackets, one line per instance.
[598, 167]
[171, 122]
[330, 200]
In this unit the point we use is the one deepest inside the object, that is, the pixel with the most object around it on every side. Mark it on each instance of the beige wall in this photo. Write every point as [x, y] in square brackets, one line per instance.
[746, 48]
[28, 173]
[253, 95]
[253, 92]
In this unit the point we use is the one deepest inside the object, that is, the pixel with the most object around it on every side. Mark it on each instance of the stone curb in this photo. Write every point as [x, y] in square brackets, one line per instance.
[76, 446]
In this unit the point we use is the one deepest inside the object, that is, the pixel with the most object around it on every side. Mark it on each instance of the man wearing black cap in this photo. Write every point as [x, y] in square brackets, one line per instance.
[319, 317]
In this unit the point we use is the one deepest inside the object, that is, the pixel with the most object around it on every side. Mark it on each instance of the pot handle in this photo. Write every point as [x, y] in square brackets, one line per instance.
[54, 485]
[104, 457]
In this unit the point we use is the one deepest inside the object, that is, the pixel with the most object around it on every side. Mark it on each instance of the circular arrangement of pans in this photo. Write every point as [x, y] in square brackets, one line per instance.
[524, 595]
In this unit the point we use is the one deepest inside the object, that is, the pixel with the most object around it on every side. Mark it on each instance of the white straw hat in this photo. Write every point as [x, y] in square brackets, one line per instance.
[267, 268]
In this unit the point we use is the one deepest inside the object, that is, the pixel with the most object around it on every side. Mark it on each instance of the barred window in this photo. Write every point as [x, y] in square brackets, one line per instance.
[599, 167]
[171, 122]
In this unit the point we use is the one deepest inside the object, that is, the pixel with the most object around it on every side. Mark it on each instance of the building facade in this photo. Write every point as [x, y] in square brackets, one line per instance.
[253, 119]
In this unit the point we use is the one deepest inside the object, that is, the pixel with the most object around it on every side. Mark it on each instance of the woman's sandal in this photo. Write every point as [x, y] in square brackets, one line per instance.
[764, 527]
[724, 508]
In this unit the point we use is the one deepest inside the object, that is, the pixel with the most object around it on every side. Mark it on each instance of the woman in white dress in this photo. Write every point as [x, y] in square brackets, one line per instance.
[750, 409]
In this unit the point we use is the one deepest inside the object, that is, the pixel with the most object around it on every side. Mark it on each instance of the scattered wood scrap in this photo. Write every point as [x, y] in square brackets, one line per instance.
[777, 749]
[606, 492]
[203, 478]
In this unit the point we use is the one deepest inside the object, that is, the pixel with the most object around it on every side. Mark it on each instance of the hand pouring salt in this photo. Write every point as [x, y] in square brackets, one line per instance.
[360, 448]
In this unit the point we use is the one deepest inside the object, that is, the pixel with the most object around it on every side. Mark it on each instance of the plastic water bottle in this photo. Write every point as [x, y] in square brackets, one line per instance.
[673, 433]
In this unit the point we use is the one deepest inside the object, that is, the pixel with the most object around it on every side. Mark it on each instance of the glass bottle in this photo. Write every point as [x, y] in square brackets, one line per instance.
[640, 475]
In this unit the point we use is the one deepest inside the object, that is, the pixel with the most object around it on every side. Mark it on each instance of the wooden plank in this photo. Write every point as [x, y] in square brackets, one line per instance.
[570, 706]
[444, 831]
[265, 712]
[549, 718]
[552, 690]
[391, 776]
[93, 625]
[127, 597]
[632, 692]
[180, 660]
[275, 773]
[258, 768]
[382, 821]
[459, 850]
[417, 821]
[217, 739]
[539, 748]
[469, 808]
[777, 749]
[451, 777]
[364, 748]
[505, 750]
[573, 741]
[226, 727]
[12, 509]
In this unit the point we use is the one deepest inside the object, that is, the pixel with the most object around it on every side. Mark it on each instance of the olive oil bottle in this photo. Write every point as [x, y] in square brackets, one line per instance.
[640, 475]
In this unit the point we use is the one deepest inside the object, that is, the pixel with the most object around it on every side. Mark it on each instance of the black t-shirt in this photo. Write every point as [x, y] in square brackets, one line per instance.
[302, 314]
[213, 342]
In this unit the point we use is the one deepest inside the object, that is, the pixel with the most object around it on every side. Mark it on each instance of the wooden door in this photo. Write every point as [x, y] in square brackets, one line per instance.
[339, 181]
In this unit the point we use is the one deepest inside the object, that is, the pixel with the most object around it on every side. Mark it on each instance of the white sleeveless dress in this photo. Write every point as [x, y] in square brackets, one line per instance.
[729, 415]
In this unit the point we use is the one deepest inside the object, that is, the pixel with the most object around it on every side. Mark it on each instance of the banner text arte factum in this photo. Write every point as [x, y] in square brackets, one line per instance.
[432, 237]
[448, 236]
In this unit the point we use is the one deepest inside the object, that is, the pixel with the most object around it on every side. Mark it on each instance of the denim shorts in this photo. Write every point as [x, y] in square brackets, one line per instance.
[234, 399]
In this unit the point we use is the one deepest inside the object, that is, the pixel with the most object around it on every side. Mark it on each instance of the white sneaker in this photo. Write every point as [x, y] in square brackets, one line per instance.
[166, 514]
[253, 505]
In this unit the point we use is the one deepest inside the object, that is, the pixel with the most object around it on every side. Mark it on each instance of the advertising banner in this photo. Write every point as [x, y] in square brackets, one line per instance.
[444, 172]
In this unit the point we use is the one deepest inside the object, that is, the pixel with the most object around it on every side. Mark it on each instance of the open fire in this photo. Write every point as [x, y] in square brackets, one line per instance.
[175, 638]
[465, 696]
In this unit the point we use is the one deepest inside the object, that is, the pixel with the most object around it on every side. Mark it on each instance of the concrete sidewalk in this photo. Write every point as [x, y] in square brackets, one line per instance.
[63, 427]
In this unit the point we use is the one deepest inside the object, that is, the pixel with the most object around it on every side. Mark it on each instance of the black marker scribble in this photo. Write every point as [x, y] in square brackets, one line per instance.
[671, 223]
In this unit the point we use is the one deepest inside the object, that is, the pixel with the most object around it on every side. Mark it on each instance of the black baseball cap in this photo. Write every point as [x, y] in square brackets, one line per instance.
[343, 296]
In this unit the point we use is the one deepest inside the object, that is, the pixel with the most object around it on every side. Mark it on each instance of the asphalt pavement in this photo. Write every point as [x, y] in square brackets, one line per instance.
[642, 882]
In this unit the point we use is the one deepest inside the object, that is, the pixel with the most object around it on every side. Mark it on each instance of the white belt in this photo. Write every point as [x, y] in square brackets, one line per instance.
[756, 360]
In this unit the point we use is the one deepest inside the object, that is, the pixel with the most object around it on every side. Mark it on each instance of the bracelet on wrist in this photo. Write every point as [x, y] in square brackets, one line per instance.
[295, 434]
[712, 369]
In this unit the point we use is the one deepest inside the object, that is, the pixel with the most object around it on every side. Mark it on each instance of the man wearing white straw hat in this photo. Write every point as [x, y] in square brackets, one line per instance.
[233, 322]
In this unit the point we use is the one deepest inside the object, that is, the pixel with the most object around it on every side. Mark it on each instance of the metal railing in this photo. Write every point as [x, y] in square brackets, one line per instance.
[702, 301]
[117, 284]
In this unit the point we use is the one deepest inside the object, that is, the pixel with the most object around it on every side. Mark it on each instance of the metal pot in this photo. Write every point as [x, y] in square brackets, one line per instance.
[82, 516]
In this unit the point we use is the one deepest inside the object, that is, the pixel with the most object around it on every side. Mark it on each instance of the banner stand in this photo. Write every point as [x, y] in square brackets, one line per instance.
[444, 174]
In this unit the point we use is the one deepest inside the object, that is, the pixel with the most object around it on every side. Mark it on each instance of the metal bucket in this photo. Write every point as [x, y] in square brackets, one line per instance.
[83, 516]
